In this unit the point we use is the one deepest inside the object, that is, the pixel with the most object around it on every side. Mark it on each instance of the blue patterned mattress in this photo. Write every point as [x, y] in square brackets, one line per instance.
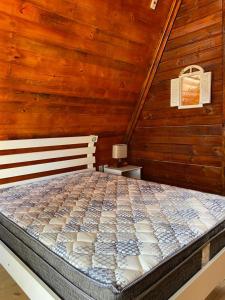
[113, 229]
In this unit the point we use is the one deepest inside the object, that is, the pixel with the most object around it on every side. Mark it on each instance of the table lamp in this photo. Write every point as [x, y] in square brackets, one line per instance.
[119, 152]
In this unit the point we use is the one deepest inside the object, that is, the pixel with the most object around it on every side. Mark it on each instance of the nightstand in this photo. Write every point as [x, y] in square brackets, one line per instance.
[127, 171]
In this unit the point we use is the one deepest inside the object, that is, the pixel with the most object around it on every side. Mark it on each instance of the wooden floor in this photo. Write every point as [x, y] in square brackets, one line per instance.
[9, 290]
[218, 293]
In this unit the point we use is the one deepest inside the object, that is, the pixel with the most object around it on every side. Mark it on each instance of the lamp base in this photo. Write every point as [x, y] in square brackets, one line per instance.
[120, 163]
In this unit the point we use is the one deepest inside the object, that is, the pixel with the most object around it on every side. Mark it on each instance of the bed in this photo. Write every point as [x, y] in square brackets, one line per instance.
[91, 235]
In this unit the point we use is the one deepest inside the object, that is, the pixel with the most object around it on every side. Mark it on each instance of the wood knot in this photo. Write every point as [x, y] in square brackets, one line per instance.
[147, 116]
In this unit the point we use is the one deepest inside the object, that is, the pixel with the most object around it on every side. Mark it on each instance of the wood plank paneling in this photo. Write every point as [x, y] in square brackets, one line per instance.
[75, 67]
[185, 147]
[223, 28]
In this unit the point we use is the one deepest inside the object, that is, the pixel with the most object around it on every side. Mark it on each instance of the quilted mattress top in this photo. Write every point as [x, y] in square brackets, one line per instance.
[111, 228]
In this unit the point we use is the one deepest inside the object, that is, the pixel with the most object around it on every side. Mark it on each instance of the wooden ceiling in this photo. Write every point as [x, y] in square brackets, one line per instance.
[75, 67]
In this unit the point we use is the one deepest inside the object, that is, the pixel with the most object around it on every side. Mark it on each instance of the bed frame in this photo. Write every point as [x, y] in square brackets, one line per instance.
[37, 159]
[198, 287]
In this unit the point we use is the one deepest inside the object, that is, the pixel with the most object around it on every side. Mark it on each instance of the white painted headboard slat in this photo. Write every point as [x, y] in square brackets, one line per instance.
[20, 171]
[46, 142]
[10, 171]
[25, 157]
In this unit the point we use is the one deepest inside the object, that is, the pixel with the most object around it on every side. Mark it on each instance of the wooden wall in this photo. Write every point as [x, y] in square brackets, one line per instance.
[74, 67]
[185, 147]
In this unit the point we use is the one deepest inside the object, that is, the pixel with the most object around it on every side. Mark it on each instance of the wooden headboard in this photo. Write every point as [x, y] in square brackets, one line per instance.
[22, 158]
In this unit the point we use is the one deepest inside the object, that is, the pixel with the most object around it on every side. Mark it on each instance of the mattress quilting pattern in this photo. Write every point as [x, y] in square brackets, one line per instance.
[112, 228]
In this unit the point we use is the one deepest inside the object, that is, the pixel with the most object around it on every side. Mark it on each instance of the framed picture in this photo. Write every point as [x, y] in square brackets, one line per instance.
[192, 89]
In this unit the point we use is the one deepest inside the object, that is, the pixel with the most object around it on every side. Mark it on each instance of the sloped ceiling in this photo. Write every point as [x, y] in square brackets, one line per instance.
[186, 147]
[75, 67]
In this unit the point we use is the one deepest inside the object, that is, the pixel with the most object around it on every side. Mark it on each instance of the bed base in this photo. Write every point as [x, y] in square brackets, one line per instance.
[204, 282]
[29, 282]
[198, 287]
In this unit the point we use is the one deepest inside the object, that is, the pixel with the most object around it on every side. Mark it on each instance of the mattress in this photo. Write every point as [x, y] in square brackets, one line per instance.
[102, 236]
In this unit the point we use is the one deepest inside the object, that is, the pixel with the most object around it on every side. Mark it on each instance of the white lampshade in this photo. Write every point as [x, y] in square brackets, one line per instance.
[119, 151]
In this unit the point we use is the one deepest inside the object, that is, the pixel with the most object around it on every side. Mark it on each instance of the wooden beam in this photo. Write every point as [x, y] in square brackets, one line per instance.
[152, 71]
